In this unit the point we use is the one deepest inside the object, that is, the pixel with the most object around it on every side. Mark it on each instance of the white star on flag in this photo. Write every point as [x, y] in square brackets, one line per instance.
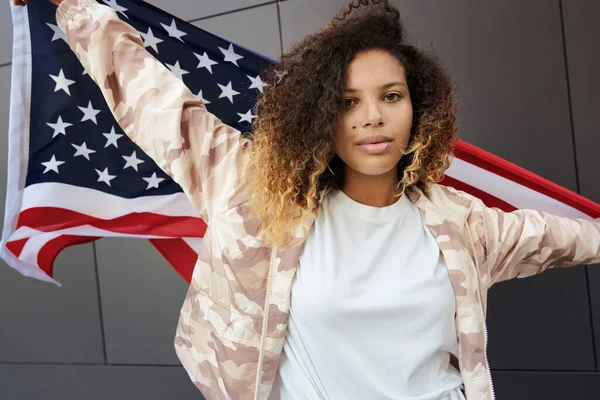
[173, 31]
[176, 69]
[59, 127]
[104, 176]
[257, 83]
[205, 62]
[150, 40]
[82, 150]
[248, 117]
[89, 112]
[227, 91]
[111, 138]
[132, 161]
[202, 99]
[62, 82]
[153, 181]
[58, 33]
[230, 55]
[52, 165]
[116, 7]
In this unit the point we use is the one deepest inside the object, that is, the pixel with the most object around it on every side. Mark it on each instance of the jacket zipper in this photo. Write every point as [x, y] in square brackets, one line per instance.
[485, 344]
[261, 353]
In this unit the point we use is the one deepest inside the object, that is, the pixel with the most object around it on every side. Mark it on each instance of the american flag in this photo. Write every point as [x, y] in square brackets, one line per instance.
[74, 176]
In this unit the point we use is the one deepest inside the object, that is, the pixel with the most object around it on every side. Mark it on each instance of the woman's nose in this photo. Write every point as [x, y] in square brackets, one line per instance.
[373, 116]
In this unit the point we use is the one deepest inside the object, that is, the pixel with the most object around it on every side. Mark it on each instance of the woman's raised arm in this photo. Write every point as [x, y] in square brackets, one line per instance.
[527, 242]
[154, 107]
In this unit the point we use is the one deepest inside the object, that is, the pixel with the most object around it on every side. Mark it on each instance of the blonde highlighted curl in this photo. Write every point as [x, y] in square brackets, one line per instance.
[292, 159]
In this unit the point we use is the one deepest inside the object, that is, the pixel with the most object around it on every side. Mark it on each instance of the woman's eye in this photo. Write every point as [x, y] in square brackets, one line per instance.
[392, 96]
[348, 103]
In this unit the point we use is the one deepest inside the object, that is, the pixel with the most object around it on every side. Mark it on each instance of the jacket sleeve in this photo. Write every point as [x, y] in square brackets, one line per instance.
[527, 242]
[154, 107]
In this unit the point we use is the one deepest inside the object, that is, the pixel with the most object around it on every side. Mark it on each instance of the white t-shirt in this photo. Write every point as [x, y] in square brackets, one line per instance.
[372, 310]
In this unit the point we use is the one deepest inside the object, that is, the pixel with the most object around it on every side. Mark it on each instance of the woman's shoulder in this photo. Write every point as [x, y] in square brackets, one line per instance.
[443, 194]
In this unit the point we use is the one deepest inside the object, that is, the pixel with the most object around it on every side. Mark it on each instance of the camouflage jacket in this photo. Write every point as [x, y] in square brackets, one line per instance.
[234, 318]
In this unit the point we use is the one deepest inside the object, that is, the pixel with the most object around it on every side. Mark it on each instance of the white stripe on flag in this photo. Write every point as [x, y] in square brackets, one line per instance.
[83, 230]
[509, 191]
[103, 205]
[30, 251]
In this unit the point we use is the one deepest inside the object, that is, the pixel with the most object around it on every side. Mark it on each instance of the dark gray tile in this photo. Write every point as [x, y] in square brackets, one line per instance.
[141, 297]
[190, 9]
[301, 17]
[75, 382]
[546, 385]
[45, 323]
[582, 33]
[541, 323]
[594, 285]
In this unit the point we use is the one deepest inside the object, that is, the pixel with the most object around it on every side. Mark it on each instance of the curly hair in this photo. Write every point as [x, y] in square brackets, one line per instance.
[292, 160]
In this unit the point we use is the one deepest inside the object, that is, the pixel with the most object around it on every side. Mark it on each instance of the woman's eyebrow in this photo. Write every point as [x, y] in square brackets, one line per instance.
[386, 86]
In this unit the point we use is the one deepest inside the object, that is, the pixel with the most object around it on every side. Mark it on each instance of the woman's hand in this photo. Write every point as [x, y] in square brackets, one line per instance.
[24, 2]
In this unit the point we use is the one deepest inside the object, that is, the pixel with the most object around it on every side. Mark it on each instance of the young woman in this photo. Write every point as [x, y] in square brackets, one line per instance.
[334, 266]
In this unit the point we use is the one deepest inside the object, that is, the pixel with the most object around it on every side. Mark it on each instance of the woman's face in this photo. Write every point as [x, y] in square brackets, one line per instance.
[377, 108]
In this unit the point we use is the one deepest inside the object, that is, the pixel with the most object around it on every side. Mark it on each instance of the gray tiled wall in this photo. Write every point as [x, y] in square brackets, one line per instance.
[527, 77]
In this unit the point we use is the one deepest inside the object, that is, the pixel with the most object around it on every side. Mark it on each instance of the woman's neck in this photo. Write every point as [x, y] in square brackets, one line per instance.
[375, 191]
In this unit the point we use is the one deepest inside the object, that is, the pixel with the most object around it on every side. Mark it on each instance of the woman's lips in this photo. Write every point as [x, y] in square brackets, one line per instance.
[375, 148]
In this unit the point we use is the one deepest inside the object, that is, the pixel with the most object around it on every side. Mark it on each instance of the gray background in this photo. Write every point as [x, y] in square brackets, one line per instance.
[527, 73]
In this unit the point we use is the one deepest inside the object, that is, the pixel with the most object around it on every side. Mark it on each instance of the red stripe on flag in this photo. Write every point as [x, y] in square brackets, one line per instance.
[16, 246]
[179, 254]
[50, 250]
[51, 219]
